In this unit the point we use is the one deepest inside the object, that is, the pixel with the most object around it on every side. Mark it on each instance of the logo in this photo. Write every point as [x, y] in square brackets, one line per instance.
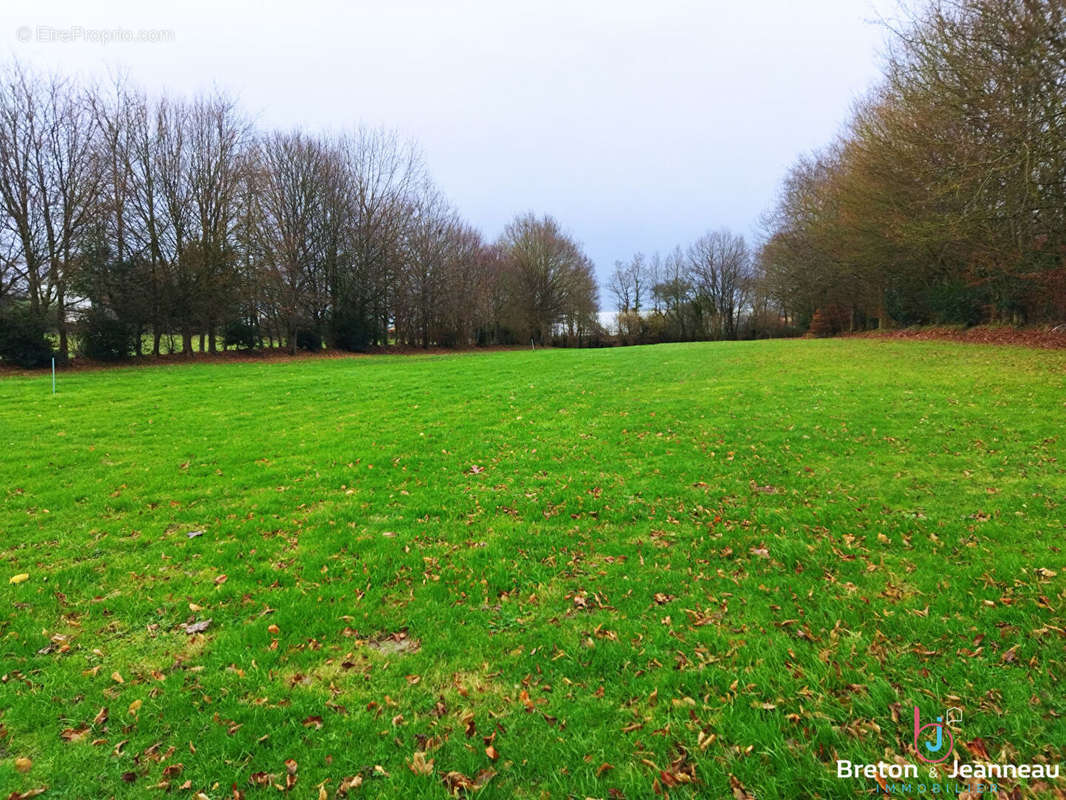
[934, 746]
[928, 751]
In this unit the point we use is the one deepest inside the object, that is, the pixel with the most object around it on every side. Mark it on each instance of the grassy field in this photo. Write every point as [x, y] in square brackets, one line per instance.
[709, 570]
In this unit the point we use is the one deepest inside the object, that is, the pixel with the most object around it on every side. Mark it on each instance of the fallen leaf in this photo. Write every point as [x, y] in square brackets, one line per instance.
[16, 579]
[739, 792]
[419, 765]
[74, 734]
[196, 627]
[135, 706]
[23, 764]
[353, 782]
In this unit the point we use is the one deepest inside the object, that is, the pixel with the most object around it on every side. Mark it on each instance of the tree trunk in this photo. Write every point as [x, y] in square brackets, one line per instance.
[61, 323]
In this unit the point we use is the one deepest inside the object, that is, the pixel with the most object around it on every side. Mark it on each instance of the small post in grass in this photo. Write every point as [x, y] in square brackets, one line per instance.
[532, 345]
[53, 374]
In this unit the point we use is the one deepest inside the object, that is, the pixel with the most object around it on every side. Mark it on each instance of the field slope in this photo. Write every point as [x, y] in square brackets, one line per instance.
[707, 569]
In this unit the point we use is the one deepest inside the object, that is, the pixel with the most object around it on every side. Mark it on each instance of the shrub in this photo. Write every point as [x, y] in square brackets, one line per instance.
[107, 338]
[308, 340]
[352, 332]
[241, 334]
[23, 336]
[828, 321]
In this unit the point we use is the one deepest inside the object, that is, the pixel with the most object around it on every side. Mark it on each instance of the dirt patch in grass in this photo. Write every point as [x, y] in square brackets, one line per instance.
[398, 643]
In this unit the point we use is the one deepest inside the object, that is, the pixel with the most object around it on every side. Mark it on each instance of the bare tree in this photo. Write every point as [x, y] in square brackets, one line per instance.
[550, 277]
[289, 184]
[49, 182]
[721, 269]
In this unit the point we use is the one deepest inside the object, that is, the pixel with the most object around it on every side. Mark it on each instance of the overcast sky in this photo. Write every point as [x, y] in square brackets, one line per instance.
[638, 125]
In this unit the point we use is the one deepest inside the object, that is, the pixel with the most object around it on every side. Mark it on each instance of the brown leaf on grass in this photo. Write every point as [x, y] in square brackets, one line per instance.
[135, 706]
[74, 734]
[680, 771]
[117, 677]
[604, 767]
[27, 794]
[1010, 656]
[492, 752]
[419, 765]
[313, 722]
[739, 792]
[260, 779]
[23, 764]
[760, 552]
[347, 784]
[196, 627]
[978, 749]
[457, 782]
[273, 630]
[101, 717]
[173, 771]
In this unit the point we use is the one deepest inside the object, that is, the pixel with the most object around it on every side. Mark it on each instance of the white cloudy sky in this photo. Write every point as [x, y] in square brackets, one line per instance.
[638, 125]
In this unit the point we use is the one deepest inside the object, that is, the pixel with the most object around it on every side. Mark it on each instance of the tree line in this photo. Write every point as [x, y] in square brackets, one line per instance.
[708, 291]
[943, 200]
[129, 220]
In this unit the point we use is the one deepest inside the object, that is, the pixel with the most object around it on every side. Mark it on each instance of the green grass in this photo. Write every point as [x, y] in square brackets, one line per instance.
[730, 562]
